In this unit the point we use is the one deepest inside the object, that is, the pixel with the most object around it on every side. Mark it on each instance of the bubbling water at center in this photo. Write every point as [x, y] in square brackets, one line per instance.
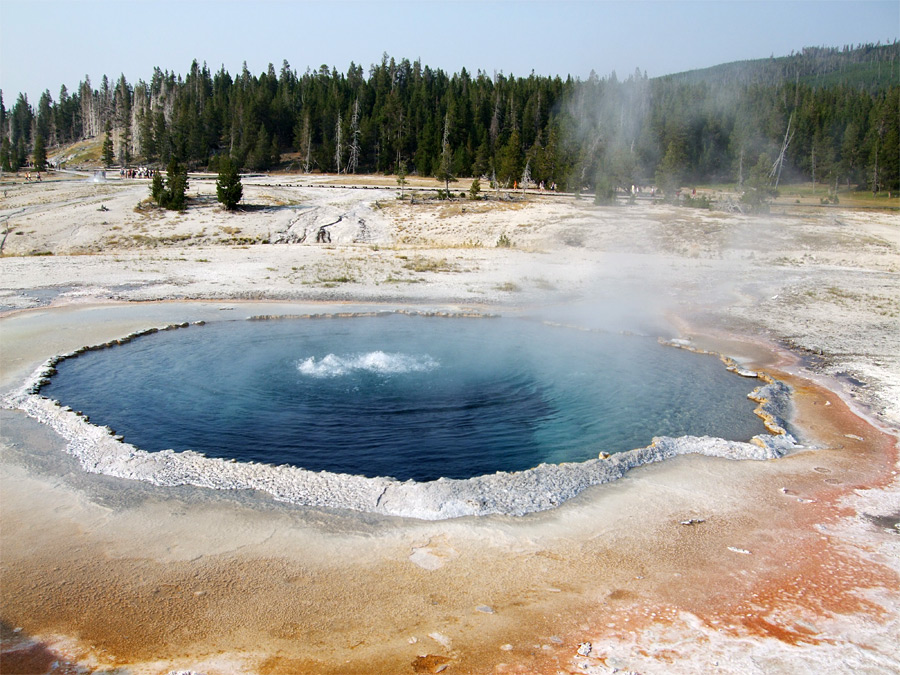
[410, 397]
[373, 362]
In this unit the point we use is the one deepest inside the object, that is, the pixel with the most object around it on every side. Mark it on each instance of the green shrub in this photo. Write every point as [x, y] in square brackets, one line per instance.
[701, 202]
[228, 185]
[604, 192]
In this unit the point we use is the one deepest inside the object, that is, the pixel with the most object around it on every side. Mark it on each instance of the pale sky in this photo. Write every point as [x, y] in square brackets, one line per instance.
[44, 43]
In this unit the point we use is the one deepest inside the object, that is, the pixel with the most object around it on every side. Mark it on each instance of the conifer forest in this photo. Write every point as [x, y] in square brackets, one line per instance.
[830, 115]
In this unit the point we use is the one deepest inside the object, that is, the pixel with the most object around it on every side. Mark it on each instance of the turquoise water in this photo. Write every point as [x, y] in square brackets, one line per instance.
[403, 396]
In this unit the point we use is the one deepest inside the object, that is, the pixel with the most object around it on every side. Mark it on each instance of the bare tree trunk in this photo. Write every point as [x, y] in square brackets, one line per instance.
[308, 149]
[779, 163]
[337, 144]
[354, 139]
[305, 143]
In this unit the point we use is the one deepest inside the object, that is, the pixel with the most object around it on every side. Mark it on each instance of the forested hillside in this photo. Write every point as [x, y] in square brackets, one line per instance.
[871, 67]
[826, 115]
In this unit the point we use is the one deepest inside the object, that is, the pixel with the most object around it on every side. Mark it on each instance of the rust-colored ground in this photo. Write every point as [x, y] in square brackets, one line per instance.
[550, 583]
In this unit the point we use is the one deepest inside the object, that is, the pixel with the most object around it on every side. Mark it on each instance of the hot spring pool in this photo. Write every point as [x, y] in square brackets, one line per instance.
[410, 397]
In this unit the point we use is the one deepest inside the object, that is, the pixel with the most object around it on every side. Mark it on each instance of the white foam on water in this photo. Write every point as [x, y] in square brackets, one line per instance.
[377, 362]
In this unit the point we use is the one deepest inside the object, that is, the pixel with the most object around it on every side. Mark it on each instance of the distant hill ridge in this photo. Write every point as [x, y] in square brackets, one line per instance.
[872, 67]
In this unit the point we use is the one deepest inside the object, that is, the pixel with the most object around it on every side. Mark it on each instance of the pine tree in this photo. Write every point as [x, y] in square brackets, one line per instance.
[475, 190]
[510, 168]
[274, 152]
[759, 186]
[21, 155]
[44, 121]
[401, 176]
[5, 164]
[123, 119]
[161, 141]
[670, 170]
[176, 186]
[482, 160]
[157, 188]
[108, 154]
[228, 185]
[171, 194]
[260, 157]
[147, 141]
[39, 153]
[604, 190]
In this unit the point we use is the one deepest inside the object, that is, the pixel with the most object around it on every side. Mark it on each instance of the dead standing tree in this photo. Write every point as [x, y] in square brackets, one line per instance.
[526, 177]
[304, 143]
[353, 161]
[779, 163]
[338, 149]
[445, 171]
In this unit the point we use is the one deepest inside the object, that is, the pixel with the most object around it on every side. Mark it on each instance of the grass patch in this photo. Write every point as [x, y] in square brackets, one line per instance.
[331, 282]
[145, 206]
[395, 280]
[423, 264]
[865, 199]
[504, 241]
[84, 152]
[698, 202]
[543, 284]
[840, 293]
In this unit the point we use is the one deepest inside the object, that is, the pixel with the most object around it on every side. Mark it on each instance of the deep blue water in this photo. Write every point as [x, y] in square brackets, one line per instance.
[409, 397]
